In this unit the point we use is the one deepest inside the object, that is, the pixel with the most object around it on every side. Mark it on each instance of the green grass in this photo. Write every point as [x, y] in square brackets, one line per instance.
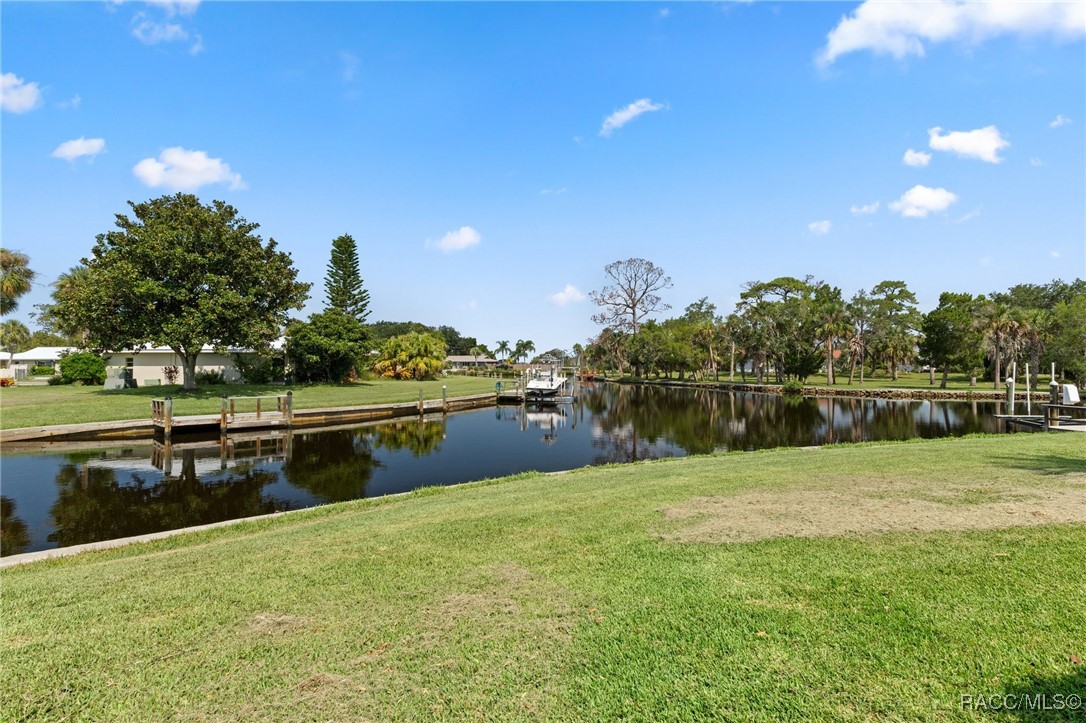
[905, 380]
[570, 597]
[34, 406]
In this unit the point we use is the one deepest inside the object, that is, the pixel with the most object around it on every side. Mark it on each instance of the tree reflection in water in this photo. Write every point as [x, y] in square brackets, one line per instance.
[335, 466]
[419, 436]
[14, 535]
[92, 504]
[645, 422]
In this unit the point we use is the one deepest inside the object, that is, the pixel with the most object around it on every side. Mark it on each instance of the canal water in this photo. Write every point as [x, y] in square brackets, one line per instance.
[73, 493]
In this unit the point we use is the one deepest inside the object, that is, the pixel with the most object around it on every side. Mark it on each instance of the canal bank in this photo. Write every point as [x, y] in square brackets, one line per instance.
[960, 395]
[303, 418]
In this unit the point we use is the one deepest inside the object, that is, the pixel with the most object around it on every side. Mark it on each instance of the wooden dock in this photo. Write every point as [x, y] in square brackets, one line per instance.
[1057, 418]
[272, 412]
[267, 411]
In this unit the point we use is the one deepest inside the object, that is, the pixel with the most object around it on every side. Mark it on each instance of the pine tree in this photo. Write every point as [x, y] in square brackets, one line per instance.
[343, 284]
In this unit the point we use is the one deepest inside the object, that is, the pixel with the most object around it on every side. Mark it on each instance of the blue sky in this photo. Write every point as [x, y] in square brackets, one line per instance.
[491, 159]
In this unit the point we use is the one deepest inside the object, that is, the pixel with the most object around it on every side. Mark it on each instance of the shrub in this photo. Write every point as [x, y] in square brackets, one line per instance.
[171, 373]
[56, 380]
[210, 376]
[258, 368]
[7, 382]
[793, 388]
[43, 370]
[83, 367]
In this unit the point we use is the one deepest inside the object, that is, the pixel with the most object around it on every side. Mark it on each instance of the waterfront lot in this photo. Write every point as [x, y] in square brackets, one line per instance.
[734, 586]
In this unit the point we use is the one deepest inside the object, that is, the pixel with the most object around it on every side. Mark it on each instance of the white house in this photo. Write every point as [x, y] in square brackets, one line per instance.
[148, 367]
[466, 361]
[18, 365]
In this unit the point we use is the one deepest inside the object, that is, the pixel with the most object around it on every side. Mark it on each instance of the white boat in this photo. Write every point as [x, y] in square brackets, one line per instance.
[546, 382]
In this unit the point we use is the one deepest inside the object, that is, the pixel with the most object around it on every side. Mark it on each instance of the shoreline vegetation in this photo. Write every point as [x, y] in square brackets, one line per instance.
[851, 582]
[30, 406]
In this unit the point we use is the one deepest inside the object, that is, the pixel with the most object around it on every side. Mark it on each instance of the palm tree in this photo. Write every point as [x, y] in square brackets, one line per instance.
[502, 350]
[526, 348]
[14, 336]
[997, 324]
[476, 352]
[15, 278]
[832, 323]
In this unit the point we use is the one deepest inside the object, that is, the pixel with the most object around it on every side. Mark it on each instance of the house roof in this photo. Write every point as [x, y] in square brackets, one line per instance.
[469, 359]
[42, 353]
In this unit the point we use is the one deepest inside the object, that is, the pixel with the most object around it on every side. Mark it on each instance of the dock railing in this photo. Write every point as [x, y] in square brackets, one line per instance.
[283, 409]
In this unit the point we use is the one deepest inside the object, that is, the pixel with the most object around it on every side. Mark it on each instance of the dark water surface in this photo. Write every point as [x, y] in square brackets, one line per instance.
[72, 494]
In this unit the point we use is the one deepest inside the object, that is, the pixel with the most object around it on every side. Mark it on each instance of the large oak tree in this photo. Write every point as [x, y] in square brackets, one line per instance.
[183, 275]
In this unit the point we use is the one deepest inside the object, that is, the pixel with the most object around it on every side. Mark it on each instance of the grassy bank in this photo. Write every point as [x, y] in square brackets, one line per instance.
[846, 583]
[35, 406]
[905, 380]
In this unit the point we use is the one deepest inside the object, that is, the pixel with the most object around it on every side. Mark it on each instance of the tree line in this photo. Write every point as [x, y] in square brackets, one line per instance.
[792, 329]
[184, 275]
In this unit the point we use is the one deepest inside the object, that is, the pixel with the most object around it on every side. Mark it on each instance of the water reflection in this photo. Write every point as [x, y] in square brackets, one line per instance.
[94, 503]
[123, 489]
[14, 534]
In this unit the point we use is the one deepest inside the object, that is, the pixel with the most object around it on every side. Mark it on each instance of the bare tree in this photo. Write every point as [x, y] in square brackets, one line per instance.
[632, 295]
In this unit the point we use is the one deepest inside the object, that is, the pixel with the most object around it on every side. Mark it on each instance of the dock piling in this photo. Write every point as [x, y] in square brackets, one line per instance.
[222, 416]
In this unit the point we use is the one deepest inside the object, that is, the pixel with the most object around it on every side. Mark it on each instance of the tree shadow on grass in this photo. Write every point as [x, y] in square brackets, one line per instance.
[1050, 464]
[216, 391]
[1043, 698]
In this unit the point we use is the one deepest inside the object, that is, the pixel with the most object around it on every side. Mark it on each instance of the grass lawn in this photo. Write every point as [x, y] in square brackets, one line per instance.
[905, 380]
[34, 406]
[871, 582]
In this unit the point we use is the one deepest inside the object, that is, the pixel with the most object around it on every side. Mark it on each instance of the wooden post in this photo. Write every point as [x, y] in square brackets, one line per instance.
[420, 402]
[222, 417]
[290, 409]
[167, 422]
[1053, 386]
[1052, 416]
[444, 399]
[167, 458]
[258, 407]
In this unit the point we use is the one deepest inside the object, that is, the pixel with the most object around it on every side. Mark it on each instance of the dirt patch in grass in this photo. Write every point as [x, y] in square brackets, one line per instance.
[273, 624]
[871, 509]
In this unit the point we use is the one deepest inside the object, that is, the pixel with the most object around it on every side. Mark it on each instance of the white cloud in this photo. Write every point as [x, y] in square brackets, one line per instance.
[1060, 120]
[819, 228]
[983, 144]
[867, 208]
[919, 201]
[622, 116]
[552, 191]
[152, 32]
[663, 13]
[183, 170]
[916, 159]
[969, 216]
[18, 96]
[74, 102]
[569, 295]
[463, 238]
[79, 148]
[197, 45]
[176, 7]
[900, 29]
[1054, 254]
[349, 64]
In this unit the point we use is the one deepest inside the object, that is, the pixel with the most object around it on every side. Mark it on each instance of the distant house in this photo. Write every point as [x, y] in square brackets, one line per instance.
[144, 366]
[148, 366]
[41, 356]
[466, 361]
